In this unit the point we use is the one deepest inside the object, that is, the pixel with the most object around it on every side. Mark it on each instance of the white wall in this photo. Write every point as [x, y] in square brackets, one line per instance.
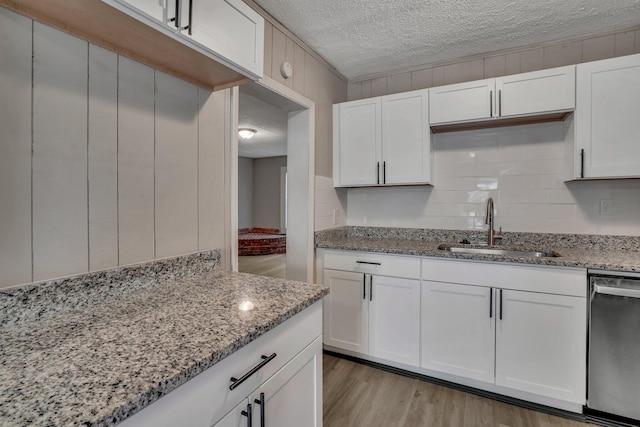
[104, 161]
[331, 204]
[266, 191]
[521, 167]
[245, 192]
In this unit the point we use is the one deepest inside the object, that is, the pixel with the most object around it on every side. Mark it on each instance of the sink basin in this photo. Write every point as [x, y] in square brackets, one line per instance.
[504, 252]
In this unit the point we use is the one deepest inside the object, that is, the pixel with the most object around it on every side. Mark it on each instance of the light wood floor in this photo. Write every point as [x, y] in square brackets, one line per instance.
[263, 265]
[356, 395]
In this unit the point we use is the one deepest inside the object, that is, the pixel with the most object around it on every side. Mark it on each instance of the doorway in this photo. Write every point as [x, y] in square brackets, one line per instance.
[279, 202]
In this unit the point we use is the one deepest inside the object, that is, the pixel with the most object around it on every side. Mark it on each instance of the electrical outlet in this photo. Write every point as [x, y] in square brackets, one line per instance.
[335, 217]
[606, 207]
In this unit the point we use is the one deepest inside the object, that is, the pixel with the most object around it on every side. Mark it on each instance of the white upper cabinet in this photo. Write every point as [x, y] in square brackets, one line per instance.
[231, 29]
[462, 102]
[382, 141]
[536, 92]
[357, 135]
[154, 8]
[607, 126]
[406, 138]
[519, 95]
[228, 31]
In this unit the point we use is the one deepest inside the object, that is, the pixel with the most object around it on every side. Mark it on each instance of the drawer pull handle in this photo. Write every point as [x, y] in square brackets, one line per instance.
[368, 262]
[261, 403]
[235, 382]
[247, 414]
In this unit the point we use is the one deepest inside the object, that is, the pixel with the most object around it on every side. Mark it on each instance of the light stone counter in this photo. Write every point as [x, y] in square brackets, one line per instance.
[94, 349]
[619, 253]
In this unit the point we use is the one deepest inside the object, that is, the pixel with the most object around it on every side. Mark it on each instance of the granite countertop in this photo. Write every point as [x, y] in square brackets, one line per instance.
[95, 349]
[617, 253]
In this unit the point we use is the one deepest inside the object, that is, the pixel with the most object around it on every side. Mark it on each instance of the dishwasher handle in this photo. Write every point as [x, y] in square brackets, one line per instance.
[619, 292]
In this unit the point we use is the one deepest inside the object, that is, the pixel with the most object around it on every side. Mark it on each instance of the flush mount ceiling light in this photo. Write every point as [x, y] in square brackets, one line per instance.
[246, 133]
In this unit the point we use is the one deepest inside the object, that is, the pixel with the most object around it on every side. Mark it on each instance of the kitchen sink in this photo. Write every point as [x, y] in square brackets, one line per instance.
[504, 252]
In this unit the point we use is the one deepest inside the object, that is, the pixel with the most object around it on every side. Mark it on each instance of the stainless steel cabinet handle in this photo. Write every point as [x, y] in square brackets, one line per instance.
[176, 18]
[619, 292]
[500, 103]
[377, 172]
[490, 103]
[190, 26]
[247, 414]
[582, 163]
[370, 288]
[368, 262]
[261, 403]
[500, 304]
[235, 382]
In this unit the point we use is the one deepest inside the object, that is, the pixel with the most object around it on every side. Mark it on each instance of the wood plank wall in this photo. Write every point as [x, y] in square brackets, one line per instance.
[496, 64]
[103, 160]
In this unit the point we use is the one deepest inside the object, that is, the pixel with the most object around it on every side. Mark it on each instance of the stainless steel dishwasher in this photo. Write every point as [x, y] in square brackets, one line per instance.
[614, 344]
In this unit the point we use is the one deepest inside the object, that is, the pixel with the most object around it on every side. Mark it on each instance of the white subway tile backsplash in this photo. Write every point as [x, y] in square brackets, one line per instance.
[521, 167]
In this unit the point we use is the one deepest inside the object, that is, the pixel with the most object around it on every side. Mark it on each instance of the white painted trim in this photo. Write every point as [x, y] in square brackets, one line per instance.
[232, 160]
[304, 104]
[283, 200]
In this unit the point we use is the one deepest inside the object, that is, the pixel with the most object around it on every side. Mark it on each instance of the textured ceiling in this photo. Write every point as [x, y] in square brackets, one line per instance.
[269, 120]
[364, 37]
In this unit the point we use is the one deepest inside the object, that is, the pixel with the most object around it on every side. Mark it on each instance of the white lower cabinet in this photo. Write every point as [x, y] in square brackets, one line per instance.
[541, 344]
[458, 330]
[372, 314]
[288, 387]
[290, 398]
[518, 327]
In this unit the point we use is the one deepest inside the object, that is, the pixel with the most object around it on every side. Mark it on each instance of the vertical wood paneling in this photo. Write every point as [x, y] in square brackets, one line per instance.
[495, 66]
[598, 48]
[397, 83]
[268, 47]
[211, 168]
[311, 75]
[15, 149]
[298, 69]
[135, 162]
[512, 65]
[289, 57]
[625, 43]
[637, 47]
[421, 79]
[438, 78]
[366, 89]
[103, 159]
[279, 49]
[531, 60]
[379, 86]
[60, 219]
[562, 54]
[476, 69]
[176, 176]
[354, 91]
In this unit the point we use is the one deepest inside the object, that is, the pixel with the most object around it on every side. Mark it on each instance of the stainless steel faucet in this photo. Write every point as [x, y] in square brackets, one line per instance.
[489, 219]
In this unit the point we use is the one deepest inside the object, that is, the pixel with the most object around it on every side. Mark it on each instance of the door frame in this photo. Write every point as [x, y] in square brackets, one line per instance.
[300, 151]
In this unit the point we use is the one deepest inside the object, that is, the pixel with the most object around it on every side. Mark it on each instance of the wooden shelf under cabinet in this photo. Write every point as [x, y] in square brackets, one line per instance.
[501, 122]
[105, 26]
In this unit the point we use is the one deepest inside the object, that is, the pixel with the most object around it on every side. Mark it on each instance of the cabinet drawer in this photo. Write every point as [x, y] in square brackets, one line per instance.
[373, 263]
[551, 280]
[206, 398]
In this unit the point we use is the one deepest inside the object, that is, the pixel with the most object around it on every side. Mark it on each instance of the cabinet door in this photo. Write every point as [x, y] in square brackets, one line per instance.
[536, 92]
[346, 311]
[239, 416]
[293, 396]
[458, 330]
[406, 138]
[357, 137]
[607, 125]
[394, 319]
[541, 344]
[153, 8]
[462, 102]
[232, 29]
